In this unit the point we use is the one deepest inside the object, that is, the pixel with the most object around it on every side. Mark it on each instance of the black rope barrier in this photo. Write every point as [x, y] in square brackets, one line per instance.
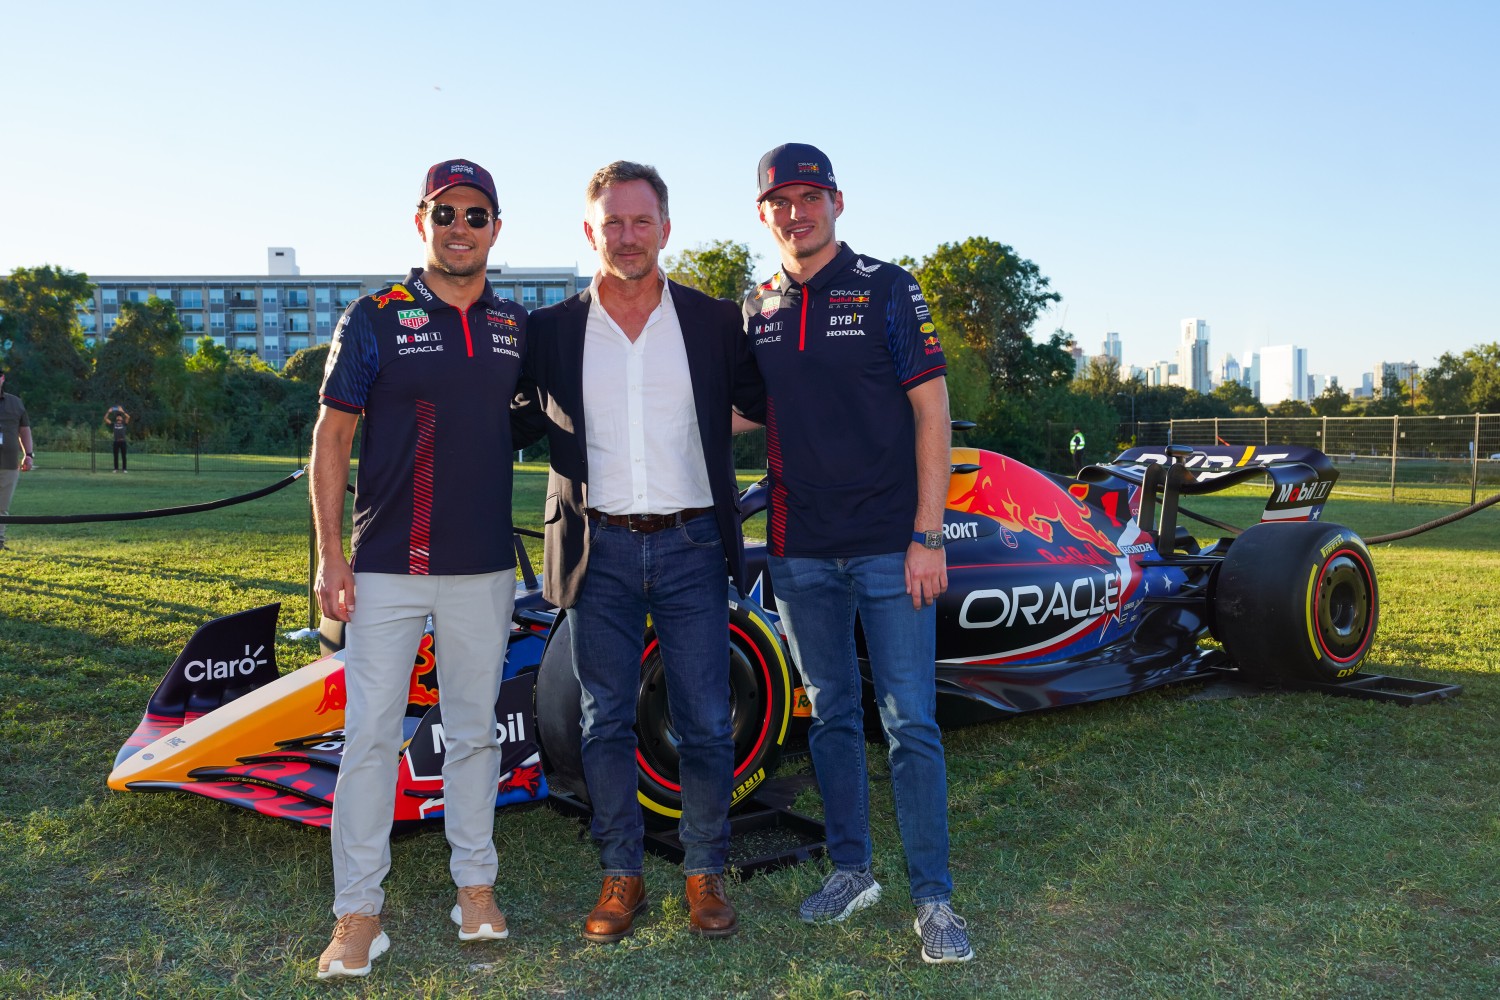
[1393, 536]
[141, 515]
[1445, 519]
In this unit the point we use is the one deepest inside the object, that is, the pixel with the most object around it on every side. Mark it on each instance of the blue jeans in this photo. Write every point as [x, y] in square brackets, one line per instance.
[678, 576]
[818, 599]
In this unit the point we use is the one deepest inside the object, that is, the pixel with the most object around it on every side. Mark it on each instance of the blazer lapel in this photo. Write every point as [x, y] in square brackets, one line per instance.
[571, 358]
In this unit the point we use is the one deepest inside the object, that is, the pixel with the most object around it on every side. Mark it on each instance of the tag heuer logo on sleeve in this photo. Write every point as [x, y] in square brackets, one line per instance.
[412, 319]
[769, 305]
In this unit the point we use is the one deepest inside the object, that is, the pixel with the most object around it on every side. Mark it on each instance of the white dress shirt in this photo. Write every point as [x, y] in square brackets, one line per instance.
[644, 450]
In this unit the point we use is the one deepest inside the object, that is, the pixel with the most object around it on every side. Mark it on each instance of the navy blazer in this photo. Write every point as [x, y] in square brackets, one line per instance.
[550, 402]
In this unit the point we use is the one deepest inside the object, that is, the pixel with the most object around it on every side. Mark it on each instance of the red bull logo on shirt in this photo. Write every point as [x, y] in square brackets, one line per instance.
[396, 293]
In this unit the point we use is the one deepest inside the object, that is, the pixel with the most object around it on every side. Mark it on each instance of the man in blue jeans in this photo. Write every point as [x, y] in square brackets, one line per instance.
[857, 437]
[635, 377]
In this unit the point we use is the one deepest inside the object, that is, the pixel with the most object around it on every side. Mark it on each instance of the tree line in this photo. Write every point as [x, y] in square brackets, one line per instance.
[229, 401]
[986, 299]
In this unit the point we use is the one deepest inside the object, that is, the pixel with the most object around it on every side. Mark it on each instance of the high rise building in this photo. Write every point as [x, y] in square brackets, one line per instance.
[1111, 347]
[1404, 372]
[1229, 369]
[1283, 374]
[1192, 356]
[275, 315]
[1250, 372]
[1163, 373]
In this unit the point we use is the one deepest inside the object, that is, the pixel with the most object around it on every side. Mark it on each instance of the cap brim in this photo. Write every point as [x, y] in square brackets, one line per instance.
[773, 187]
[493, 202]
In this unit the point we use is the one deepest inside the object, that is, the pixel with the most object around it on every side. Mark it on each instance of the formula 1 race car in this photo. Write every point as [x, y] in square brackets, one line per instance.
[1061, 591]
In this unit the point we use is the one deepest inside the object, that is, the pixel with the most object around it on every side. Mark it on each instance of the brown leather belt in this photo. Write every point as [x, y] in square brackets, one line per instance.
[646, 523]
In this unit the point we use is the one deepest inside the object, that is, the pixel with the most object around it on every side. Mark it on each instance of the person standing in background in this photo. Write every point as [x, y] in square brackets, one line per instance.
[16, 451]
[115, 418]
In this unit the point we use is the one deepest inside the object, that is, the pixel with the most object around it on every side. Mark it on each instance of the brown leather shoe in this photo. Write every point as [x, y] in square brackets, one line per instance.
[710, 910]
[622, 897]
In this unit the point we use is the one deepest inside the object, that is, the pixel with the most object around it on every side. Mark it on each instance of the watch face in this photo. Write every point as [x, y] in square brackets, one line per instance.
[934, 540]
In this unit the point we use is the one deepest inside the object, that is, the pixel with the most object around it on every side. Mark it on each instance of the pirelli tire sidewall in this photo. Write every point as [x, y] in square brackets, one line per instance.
[761, 691]
[761, 684]
[1297, 601]
[559, 719]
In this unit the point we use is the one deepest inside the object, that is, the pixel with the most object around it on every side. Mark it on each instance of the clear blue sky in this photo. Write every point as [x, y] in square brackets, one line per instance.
[1321, 174]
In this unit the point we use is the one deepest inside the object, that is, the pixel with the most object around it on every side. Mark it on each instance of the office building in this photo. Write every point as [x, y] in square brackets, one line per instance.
[1283, 374]
[1192, 356]
[1229, 369]
[1111, 348]
[277, 314]
[1405, 373]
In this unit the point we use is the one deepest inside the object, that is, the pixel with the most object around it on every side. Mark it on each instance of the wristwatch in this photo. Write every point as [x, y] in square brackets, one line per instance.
[928, 539]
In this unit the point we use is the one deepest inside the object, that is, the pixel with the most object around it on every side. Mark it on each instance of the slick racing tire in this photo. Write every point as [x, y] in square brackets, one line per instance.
[1297, 602]
[760, 691]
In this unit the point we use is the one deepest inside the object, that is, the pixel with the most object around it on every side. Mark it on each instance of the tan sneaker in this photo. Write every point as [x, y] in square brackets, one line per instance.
[477, 916]
[357, 942]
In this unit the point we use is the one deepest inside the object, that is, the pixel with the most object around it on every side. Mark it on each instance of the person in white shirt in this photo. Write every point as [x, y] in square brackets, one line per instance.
[635, 379]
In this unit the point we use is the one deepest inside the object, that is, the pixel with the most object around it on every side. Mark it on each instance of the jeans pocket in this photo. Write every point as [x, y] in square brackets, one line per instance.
[701, 532]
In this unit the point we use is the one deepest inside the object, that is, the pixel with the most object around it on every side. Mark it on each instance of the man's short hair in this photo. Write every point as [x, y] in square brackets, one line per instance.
[621, 171]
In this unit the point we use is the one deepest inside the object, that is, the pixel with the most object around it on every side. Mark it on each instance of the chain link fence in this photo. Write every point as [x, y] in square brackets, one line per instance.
[91, 449]
[1453, 459]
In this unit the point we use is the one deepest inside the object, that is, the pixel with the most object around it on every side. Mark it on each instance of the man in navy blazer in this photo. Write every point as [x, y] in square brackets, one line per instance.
[634, 383]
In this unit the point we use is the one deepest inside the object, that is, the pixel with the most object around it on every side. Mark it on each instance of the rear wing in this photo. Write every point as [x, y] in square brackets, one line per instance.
[1302, 478]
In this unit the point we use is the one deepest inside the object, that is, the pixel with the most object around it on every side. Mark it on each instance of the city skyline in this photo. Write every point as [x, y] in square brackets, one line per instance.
[1317, 174]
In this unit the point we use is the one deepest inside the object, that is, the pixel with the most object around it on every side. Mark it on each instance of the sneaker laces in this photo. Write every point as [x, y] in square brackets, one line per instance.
[346, 925]
[941, 915]
[478, 896]
[839, 878]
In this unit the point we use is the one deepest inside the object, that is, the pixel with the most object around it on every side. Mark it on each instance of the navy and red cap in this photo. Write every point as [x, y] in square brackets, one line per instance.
[454, 173]
[794, 163]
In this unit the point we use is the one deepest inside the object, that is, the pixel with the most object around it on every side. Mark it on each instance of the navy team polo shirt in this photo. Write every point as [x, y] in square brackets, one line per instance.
[434, 385]
[839, 355]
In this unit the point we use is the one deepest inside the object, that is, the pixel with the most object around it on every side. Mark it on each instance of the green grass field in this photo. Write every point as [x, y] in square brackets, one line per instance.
[1169, 845]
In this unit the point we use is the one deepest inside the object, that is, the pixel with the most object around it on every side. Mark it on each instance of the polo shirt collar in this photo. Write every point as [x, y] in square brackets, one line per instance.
[841, 261]
[486, 297]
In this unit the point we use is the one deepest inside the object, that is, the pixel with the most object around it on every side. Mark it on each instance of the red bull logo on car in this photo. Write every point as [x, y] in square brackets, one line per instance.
[424, 689]
[1023, 500]
[335, 697]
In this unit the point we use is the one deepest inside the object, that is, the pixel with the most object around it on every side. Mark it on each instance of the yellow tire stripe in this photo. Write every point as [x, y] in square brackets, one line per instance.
[786, 674]
[1307, 603]
[657, 807]
[786, 712]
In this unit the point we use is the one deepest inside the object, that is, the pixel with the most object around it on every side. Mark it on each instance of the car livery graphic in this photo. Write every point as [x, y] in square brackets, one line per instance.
[1061, 590]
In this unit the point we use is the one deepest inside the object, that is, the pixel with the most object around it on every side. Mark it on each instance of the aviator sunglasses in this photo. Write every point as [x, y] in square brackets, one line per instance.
[474, 218]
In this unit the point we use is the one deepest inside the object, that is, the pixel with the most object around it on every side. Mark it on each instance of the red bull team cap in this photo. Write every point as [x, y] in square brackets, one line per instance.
[794, 163]
[452, 173]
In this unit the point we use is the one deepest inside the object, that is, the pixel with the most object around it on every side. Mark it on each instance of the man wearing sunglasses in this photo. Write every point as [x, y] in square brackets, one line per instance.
[636, 376]
[430, 363]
